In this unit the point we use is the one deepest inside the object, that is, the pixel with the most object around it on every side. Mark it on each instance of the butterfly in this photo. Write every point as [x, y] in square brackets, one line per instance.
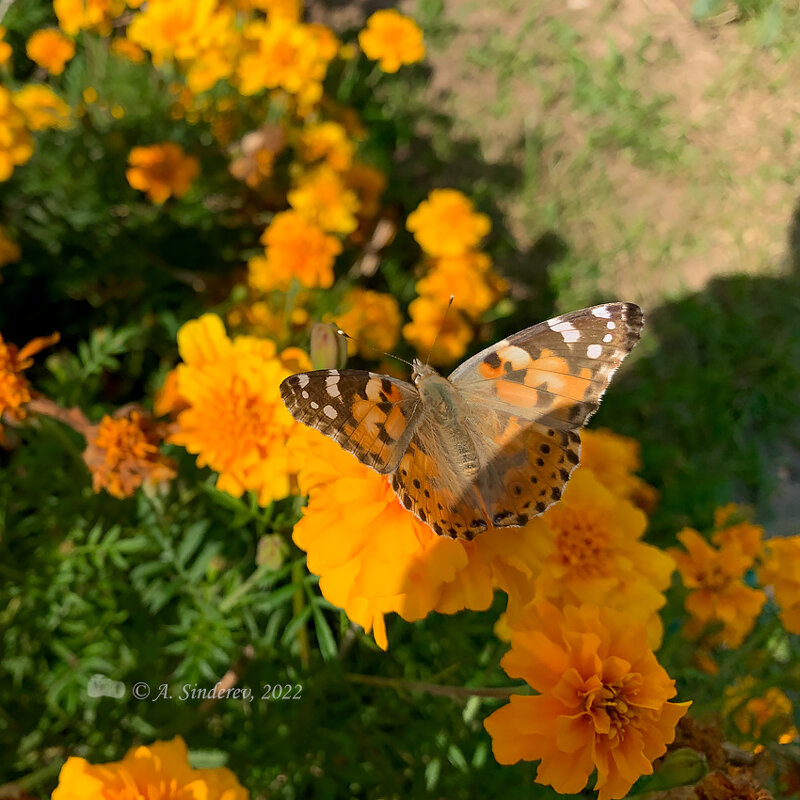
[495, 442]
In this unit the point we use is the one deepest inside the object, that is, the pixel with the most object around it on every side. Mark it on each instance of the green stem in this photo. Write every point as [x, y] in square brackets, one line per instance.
[298, 604]
[233, 598]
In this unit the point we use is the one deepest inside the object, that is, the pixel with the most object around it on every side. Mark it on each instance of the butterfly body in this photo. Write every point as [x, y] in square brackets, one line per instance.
[494, 443]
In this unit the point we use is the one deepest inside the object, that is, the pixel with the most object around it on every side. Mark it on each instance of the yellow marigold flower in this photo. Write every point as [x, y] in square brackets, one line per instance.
[42, 107]
[602, 701]
[235, 422]
[159, 771]
[614, 459]
[15, 391]
[161, 170]
[125, 48]
[428, 318]
[77, 15]
[122, 453]
[16, 144]
[373, 321]
[369, 184]
[326, 141]
[167, 400]
[765, 717]
[50, 49]
[468, 278]
[717, 593]
[295, 248]
[323, 197]
[780, 568]
[9, 249]
[283, 55]
[5, 47]
[589, 550]
[446, 224]
[392, 39]
[374, 557]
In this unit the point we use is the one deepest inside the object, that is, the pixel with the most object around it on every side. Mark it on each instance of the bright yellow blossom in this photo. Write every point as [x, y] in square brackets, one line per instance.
[602, 701]
[323, 197]
[122, 453]
[161, 170]
[16, 144]
[295, 248]
[717, 592]
[235, 422]
[77, 15]
[371, 319]
[42, 107]
[446, 224]
[428, 318]
[392, 40]
[780, 568]
[50, 49]
[5, 47]
[328, 142]
[159, 771]
[588, 549]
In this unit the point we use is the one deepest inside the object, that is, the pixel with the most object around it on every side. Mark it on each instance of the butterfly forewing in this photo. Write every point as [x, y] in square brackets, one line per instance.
[371, 416]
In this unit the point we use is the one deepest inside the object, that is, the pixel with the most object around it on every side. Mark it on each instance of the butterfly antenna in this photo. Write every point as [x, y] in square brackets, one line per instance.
[441, 325]
[391, 355]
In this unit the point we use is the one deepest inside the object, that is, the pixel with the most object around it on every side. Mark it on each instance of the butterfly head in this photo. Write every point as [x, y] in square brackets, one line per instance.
[420, 371]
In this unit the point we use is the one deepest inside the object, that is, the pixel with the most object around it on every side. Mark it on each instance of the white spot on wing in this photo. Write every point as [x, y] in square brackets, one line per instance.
[610, 326]
[331, 381]
[305, 395]
[569, 333]
[594, 350]
[314, 405]
[602, 312]
[329, 411]
[303, 380]
[607, 338]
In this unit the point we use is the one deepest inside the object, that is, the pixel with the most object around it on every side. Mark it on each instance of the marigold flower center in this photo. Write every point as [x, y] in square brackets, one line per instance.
[580, 542]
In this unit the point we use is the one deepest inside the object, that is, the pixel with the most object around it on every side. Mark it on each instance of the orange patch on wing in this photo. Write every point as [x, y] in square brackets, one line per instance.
[395, 423]
[488, 371]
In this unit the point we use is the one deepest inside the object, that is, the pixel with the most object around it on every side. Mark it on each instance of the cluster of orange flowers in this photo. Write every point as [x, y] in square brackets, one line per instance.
[722, 606]
[449, 230]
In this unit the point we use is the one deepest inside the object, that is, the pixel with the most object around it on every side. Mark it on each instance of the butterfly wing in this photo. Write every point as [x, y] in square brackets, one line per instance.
[371, 416]
[524, 400]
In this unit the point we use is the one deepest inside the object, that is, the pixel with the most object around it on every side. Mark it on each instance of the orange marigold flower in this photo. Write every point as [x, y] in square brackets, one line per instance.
[374, 557]
[323, 197]
[235, 422]
[42, 107]
[780, 568]
[295, 248]
[717, 593]
[589, 550]
[15, 390]
[50, 49]
[614, 459]
[77, 15]
[5, 47]
[159, 771]
[371, 319]
[478, 287]
[125, 48]
[391, 39]
[764, 717]
[167, 400]
[122, 453]
[283, 54]
[602, 702]
[16, 144]
[9, 249]
[446, 224]
[328, 142]
[161, 170]
[428, 318]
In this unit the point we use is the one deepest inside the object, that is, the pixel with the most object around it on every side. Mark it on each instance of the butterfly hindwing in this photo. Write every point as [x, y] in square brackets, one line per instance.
[371, 416]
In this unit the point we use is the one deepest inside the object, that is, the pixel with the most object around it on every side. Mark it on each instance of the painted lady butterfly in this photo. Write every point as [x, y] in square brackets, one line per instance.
[494, 443]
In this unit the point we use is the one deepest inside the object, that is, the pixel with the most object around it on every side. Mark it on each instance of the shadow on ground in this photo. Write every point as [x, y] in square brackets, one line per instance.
[714, 399]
